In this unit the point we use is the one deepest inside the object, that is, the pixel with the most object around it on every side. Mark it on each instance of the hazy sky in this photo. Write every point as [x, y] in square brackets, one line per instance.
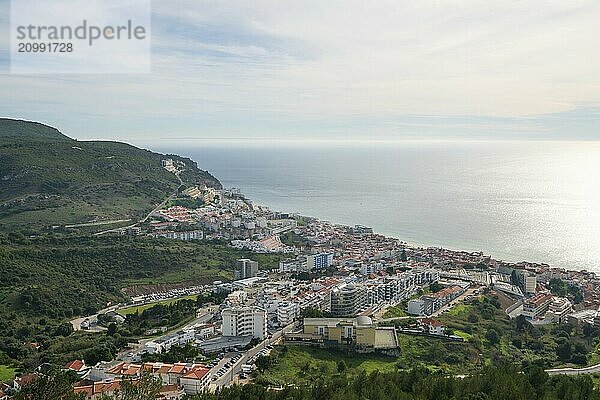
[323, 69]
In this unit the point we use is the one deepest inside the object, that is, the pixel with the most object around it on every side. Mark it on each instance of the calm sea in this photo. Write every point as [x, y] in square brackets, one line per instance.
[534, 201]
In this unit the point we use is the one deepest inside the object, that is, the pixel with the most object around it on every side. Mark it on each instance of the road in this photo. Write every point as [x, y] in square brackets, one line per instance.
[574, 371]
[92, 318]
[114, 221]
[133, 353]
[158, 207]
[229, 377]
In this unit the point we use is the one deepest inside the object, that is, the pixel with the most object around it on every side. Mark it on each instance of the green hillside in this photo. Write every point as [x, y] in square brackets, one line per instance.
[48, 179]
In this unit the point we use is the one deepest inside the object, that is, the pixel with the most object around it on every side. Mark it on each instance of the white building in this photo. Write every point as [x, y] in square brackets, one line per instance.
[287, 312]
[237, 298]
[536, 307]
[432, 326]
[195, 381]
[530, 284]
[244, 321]
[348, 300]
[205, 331]
[319, 261]
[184, 235]
[261, 222]
[559, 308]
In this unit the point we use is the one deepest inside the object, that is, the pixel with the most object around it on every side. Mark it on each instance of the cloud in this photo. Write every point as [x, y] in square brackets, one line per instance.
[340, 68]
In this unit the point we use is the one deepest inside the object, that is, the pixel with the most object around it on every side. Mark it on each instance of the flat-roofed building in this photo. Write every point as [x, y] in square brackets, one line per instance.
[245, 268]
[348, 300]
[359, 332]
[319, 261]
[287, 312]
[530, 284]
[559, 308]
[244, 321]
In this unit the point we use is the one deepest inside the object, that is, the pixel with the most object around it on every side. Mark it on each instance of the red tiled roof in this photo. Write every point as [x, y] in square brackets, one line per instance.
[177, 369]
[75, 365]
[431, 322]
[164, 369]
[197, 373]
[26, 379]
[88, 390]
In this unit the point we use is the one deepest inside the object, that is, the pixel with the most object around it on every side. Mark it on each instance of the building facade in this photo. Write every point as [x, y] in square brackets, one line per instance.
[359, 332]
[348, 300]
[244, 321]
[245, 268]
[319, 261]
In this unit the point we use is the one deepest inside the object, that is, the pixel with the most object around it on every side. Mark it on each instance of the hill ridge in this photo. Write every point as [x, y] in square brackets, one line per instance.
[51, 179]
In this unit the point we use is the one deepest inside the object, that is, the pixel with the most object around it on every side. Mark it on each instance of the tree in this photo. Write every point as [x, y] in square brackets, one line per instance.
[522, 324]
[341, 366]
[564, 350]
[64, 329]
[579, 358]
[493, 336]
[558, 287]
[311, 312]
[262, 363]
[57, 386]
[112, 328]
[435, 287]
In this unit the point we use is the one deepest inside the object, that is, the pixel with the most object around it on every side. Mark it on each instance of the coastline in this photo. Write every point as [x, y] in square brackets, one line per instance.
[430, 197]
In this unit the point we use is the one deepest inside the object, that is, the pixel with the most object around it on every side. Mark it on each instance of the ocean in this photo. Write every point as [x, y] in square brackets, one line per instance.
[532, 201]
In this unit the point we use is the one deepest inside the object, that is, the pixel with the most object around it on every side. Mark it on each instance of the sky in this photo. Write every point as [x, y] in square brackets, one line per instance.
[315, 70]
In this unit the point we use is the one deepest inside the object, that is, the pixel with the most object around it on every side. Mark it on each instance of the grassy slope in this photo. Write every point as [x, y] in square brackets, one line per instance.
[49, 179]
[301, 365]
[304, 364]
[6, 373]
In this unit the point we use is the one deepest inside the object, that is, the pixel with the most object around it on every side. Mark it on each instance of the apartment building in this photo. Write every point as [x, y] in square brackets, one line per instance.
[244, 321]
[558, 310]
[183, 235]
[348, 299]
[430, 303]
[530, 284]
[287, 312]
[536, 307]
[319, 261]
[193, 378]
[245, 268]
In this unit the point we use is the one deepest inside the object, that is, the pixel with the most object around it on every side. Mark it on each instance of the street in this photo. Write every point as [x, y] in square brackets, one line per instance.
[229, 377]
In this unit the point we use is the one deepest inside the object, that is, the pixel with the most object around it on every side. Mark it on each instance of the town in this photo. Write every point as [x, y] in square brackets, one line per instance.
[334, 288]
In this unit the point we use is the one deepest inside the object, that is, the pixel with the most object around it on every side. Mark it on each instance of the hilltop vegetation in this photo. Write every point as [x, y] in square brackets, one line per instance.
[50, 179]
[492, 383]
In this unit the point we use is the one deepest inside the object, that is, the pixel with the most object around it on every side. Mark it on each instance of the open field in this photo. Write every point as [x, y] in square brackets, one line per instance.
[460, 310]
[395, 311]
[297, 364]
